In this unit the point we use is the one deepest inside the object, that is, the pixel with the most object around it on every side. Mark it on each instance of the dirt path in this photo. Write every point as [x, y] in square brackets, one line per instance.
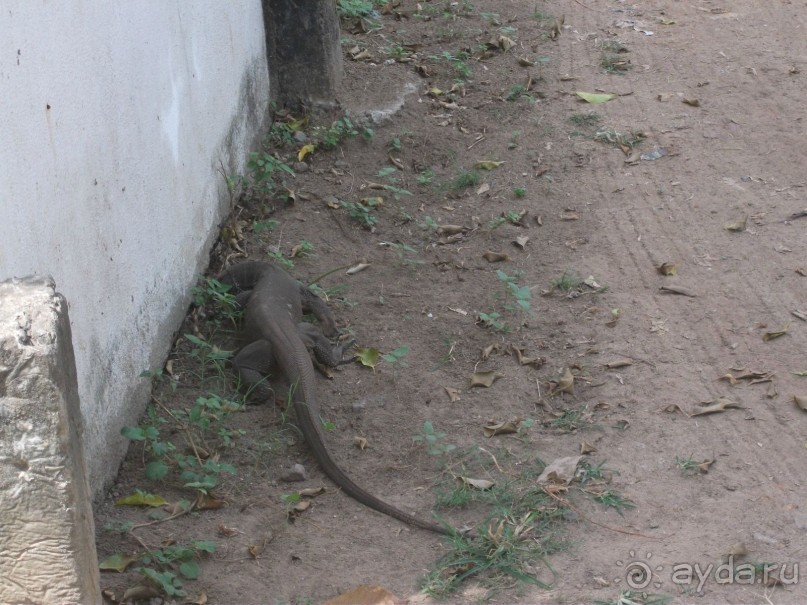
[739, 154]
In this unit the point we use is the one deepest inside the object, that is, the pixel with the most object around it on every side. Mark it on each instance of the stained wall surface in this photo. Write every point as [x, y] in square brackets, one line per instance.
[118, 118]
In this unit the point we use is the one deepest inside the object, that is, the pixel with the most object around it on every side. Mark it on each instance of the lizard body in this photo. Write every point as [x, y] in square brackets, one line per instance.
[273, 312]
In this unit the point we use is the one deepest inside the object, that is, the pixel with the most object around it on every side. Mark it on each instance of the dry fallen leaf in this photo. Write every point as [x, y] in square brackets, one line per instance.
[139, 593]
[226, 531]
[483, 484]
[360, 442]
[712, 407]
[301, 506]
[703, 467]
[566, 382]
[356, 268]
[483, 188]
[207, 502]
[311, 492]
[488, 350]
[495, 257]
[587, 448]
[484, 379]
[667, 269]
[561, 470]
[331, 201]
[729, 378]
[736, 550]
[619, 363]
[487, 165]
[304, 151]
[453, 394]
[364, 595]
[673, 408]
[505, 43]
[200, 600]
[569, 215]
[738, 226]
[522, 358]
[521, 241]
[557, 28]
[677, 290]
[692, 102]
[500, 428]
[801, 402]
[775, 334]
[450, 229]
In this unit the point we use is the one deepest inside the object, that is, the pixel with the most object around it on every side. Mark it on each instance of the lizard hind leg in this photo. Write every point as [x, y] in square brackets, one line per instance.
[252, 364]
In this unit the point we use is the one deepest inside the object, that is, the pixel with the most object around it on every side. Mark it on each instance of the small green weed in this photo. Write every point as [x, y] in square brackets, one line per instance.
[209, 356]
[303, 249]
[281, 134]
[339, 131]
[201, 425]
[568, 281]
[519, 192]
[425, 177]
[587, 120]
[396, 51]
[396, 358]
[520, 295]
[511, 216]
[542, 16]
[265, 168]
[520, 533]
[361, 213]
[619, 139]
[492, 18]
[265, 226]
[615, 64]
[613, 500]
[395, 145]
[448, 356]
[457, 61]
[355, 9]
[279, 259]
[405, 253]
[588, 472]
[518, 92]
[428, 223]
[569, 420]
[466, 178]
[212, 292]
[432, 440]
[688, 466]
[493, 321]
[175, 557]
[613, 46]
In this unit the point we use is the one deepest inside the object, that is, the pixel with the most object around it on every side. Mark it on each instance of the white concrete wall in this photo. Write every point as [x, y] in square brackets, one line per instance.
[114, 117]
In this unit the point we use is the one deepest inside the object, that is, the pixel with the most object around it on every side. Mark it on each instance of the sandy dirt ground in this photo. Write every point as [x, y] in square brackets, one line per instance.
[710, 179]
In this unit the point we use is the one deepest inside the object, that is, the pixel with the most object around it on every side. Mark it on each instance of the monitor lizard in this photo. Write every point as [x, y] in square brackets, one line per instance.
[273, 312]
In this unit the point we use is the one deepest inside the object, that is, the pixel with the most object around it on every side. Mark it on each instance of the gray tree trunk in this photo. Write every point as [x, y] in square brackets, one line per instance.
[303, 47]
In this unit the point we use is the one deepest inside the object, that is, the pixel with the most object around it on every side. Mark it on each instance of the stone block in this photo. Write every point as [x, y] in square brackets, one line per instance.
[47, 540]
